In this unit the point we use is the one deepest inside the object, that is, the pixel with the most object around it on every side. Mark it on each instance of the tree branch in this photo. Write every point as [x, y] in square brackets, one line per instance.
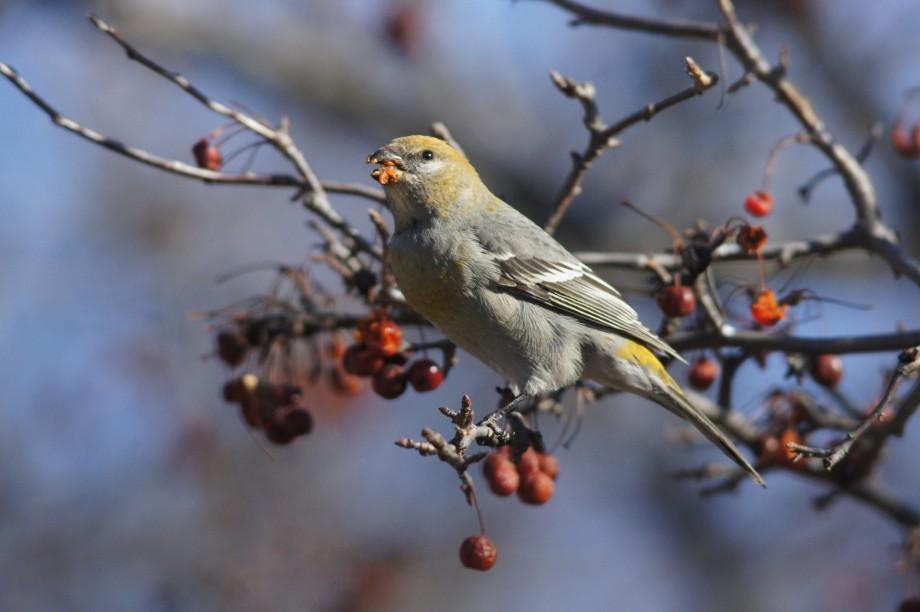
[868, 492]
[880, 239]
[602, 137]
[784, 253]
[168, 165]
[908, 363]
[763, 341]
[585, 15]
[312, 192]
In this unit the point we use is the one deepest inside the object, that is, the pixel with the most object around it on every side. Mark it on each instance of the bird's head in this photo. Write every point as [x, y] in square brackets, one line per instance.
[423, 177]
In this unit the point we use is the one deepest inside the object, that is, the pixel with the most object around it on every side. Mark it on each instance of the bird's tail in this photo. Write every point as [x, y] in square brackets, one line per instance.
[657, 385]
[674, 400]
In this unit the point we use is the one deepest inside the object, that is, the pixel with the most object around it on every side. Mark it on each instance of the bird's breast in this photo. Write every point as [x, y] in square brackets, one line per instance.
[434, 277]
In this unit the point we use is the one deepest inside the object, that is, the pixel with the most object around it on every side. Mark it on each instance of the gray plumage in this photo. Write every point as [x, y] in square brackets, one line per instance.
[508, 293]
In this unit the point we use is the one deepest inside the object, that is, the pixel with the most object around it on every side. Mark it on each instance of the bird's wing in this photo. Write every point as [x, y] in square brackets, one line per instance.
[571, 288]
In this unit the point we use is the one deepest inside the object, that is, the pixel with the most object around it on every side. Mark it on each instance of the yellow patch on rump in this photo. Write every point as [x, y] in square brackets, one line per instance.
[643, 357]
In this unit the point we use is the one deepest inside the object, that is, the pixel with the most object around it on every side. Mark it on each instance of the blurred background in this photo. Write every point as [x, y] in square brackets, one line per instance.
[126, 483]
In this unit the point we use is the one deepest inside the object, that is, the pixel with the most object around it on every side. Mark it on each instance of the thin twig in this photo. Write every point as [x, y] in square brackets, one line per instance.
[602, 137]
[149, 159]
[312, 192]
[755, 341]
[739, 40]
[585, 15]
[908, 363]
[807, 188]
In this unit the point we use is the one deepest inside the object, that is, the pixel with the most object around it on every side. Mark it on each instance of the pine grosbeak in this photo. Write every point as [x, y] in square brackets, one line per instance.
[505, 291]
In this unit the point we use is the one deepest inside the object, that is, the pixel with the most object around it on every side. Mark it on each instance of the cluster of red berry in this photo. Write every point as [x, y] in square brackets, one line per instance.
[377, 353]
[274, 408]
[533, 476]
[678, 300]
[791, 421]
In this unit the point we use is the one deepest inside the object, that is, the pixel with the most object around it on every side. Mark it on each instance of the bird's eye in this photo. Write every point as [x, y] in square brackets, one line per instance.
[427, 155]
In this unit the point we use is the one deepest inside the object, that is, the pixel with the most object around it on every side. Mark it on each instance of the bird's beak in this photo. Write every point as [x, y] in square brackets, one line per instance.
[384, 157]
[391, 166]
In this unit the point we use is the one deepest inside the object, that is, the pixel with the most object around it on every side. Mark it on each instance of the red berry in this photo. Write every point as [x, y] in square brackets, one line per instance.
[766, 309]
[759, 203]
[231, 348]
[425, 375]
[549, 465]
[773, 448]
[403, 28]
[528, 463]
[827, 369]
[911, 604]
[907, 144]
[384, 336]
[494, 462]
[884, 416]
[277, 433]
[250, 411]
[703, 373]
[677, 301]
[783, 454]
[297, 421]
[234, 390]
[361, 361]
[207, 155]
[478, 552]
[390, 381]
[504, 479]
[536, 488]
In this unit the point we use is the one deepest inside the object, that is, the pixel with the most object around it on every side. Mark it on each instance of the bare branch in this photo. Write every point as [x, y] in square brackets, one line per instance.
[870, 493]
[585, 15]
[763, 341]
[354, 189]
[877, 237]
[875, 134]
[161, 163]
[312, 192]
[784, 253]
[908, 363]
[858, 184]
[602, 137]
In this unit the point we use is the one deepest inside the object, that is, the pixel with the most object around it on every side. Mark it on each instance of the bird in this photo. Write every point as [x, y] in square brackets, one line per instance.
[505, 291]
